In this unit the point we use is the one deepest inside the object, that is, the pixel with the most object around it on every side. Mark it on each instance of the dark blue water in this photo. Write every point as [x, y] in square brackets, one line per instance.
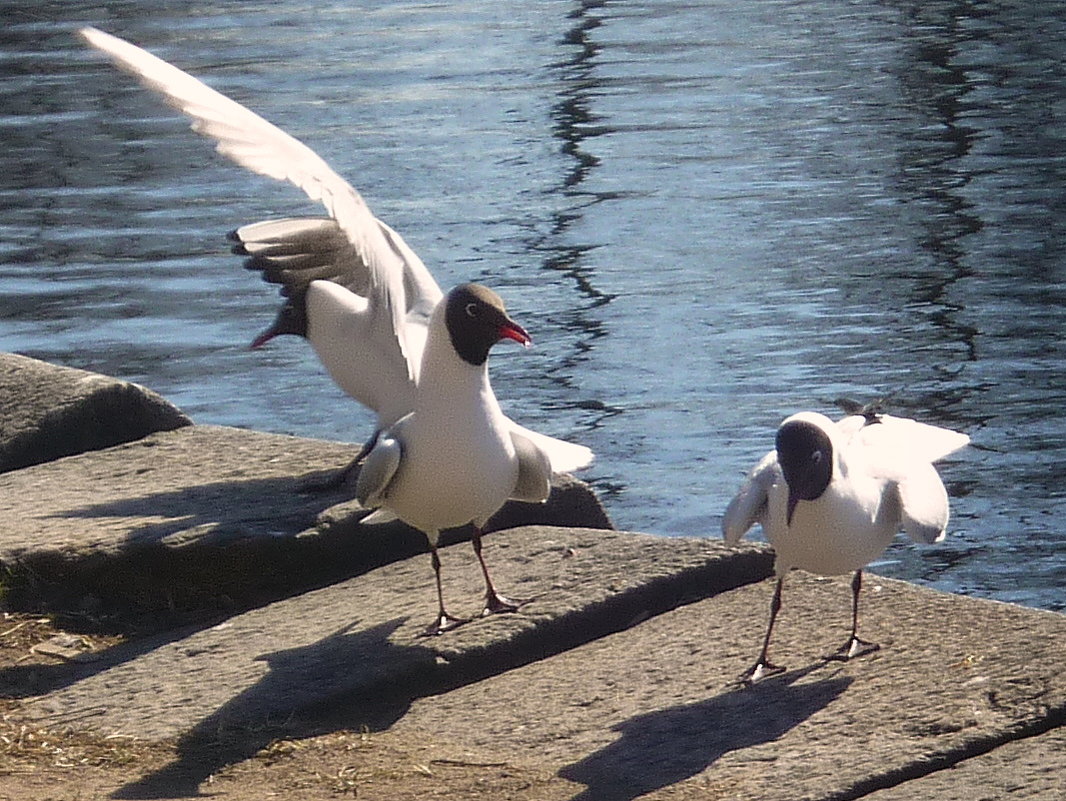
[708, 214]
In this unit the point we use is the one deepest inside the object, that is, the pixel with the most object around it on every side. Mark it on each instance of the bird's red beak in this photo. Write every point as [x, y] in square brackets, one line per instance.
[264, 338]
[512, 330]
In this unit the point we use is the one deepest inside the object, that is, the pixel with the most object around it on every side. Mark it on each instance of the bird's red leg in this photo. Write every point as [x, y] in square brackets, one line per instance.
[494, 602]
[444, 622]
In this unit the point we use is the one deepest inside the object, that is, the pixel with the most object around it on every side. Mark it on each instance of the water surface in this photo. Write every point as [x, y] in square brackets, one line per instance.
[709, 215]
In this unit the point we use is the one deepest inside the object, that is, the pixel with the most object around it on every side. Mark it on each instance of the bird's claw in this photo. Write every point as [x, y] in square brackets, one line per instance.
[852, 648]
[496, 604]
[444, 623]
[759, 671]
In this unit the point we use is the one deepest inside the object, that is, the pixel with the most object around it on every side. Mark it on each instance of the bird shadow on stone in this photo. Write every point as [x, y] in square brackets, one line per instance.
[202, 553]
[28, 680]
[227, 545]
[661, 748]
[268, 505]
[210, 548]
[276, 707]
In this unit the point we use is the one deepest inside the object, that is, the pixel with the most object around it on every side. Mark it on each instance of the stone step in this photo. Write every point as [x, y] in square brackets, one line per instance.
[652, 711]
[207, 517]
[364, 637]
[619, 675]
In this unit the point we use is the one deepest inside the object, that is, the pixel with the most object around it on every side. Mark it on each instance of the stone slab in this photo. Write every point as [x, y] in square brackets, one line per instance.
[207, 517]
[1029, 769]
[364, 638]
[618, 675]
[48, 411]
[645, 710]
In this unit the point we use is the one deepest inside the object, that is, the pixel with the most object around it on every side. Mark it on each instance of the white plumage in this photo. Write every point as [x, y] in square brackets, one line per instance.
[455, 459]
[355, 289]
[832, 496]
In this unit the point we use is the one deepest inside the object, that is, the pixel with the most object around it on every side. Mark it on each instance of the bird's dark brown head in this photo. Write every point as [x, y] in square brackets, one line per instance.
[291, 319]
[805, 454]
[476, 320]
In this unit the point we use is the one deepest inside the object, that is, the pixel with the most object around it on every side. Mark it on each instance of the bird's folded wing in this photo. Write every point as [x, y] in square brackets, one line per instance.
[923, 504]
[256, 144]
[534, 471]
[749, 505]
[378, 470]
[381, 515]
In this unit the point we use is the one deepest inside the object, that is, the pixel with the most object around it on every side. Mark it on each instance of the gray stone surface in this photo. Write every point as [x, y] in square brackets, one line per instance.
[638, 712]
[619, 675]
[47, 412]
[207, 516]
[364, 637]
[1030, 769]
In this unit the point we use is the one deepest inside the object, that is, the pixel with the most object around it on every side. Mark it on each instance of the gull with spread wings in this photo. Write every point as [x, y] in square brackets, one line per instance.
[352, 286]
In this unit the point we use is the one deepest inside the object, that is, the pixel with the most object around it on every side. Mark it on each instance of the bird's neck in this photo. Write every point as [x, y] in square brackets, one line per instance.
[445, 376]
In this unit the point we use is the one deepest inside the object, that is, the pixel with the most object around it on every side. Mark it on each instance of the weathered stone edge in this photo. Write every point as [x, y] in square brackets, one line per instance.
[55, 411]
[969, 749]
[724, 569]
[171, 584]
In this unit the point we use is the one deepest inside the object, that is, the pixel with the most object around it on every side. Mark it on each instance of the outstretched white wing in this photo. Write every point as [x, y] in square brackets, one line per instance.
[902, 452]
[353, 249]
[923, 504]
[565, 457]
[898, 439]
[256, 144]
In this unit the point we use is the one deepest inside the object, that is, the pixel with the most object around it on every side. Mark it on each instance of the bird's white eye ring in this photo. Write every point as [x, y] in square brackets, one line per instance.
[471, 310]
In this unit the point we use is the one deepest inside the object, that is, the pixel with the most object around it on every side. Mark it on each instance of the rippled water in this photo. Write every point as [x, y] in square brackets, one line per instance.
[709, 215]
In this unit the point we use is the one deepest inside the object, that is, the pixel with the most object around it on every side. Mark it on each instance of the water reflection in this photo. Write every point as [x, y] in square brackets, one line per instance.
[983, 162]
[933, 90]
[572, 118]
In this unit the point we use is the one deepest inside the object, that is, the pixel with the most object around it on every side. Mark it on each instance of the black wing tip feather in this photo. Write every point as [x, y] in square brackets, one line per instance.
[269, 272]
[872, 411]
[257, 263]
[292, 252]
[238, 248]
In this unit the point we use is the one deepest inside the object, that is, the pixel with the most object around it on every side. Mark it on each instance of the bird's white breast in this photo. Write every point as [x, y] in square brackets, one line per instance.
[849, 526]
[459, 463]
[456, 468]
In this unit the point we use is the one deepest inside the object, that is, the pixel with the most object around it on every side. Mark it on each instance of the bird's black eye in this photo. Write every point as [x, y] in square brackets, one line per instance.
[816, 457]
[471, 310]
